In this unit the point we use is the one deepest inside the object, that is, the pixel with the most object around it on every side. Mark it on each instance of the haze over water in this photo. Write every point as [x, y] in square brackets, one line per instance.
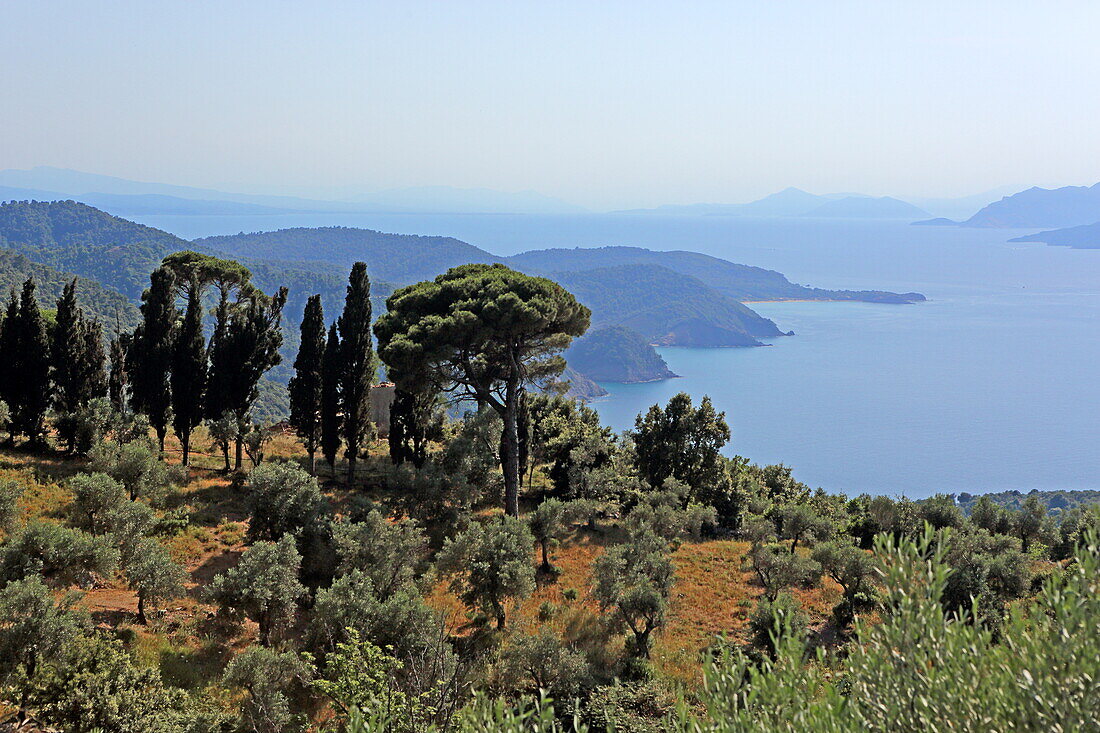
[989, 386]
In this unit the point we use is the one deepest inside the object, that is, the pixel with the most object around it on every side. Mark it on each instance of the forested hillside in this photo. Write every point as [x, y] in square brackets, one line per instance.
[666, 307]
[617, 354]
[399, 258]
[102, 303]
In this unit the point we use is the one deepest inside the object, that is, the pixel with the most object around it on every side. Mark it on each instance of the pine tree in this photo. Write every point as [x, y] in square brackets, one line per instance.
[242, 354]
[30, 367]
[151, 354]
[188, 374]
[305, 386]
[330, 398]
[358, 365]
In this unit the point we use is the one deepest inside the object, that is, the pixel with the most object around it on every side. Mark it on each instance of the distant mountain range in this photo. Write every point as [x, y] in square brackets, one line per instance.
[1069, 206]
[137, 198]
[126, 197]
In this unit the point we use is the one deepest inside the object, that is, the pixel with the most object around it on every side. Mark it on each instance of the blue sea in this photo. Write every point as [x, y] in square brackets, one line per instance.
[993, 384]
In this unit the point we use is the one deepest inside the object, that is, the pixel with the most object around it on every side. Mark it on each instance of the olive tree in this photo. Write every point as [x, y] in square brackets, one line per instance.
[633, 580]
[490, 563]
[262, 586]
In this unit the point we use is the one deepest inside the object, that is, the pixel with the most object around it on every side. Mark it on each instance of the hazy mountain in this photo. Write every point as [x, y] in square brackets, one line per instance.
[1086, 236]
[117, 194]
[866, 207]
[1042, 207]
[617, 354]
[788, 202]
[961, 207]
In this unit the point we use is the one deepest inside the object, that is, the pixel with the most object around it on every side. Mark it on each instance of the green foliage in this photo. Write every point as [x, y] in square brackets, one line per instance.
[415, 419]
[10, 491]
[360, 676]
[96, 686]
[189, 373]
[95, 495]
[61, 555]
[263, 586]
[331, 418]
[543, 662]
[153, 574]
[568, 435]
[802, 522]
[272, 680]
[921, 666]
[682, 442]
[617, 354]
[150, 355]
[490, 563]
[777, 568]
[305, 386]
[357, 365]
[481, 332]
[77, 364]
[549, 523]
[34, 630]
[136, 465]
[772, 619]
[391, 554]
[25, 376]
[634, 580]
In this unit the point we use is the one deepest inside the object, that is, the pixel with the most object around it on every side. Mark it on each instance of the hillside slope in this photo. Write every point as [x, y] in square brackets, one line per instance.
[617, 354]
[1086, 236]
[401, 258]
[666, 307]
[740, 282]
[105, 304]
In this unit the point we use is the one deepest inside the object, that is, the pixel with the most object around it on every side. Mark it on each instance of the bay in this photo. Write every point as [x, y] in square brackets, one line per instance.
[988, 386]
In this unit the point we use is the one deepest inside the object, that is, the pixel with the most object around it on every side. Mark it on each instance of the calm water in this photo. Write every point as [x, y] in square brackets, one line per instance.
[991, 385]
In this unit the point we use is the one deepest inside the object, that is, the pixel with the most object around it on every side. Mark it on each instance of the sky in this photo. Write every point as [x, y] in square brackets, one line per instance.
[606, 104]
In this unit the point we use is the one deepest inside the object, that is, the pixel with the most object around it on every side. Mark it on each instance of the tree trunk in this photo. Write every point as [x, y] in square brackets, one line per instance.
[239, 457]
[185, 444]
[510, 444]
[313, 462]
[160, 438]
[225, 454]
[546, 566]
[141, 610]
[351, 469]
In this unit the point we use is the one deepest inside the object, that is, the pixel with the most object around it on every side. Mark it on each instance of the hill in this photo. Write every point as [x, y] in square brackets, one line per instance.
[1042, 207]
[866, 207]
[1085, 236]
[740, 282]
[666, 307]
[98, 301]
[401, 258]
[617, 354]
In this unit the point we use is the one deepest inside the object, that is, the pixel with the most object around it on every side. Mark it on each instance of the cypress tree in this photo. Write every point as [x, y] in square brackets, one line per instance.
[358, 365]
[117, 383]
[77, 363]
[217, 381]
[30, 367]
[188, 374]
[415, 419]
[241, 355]
[305, 386]
[151, 354]
[8, 392]
[330, 398]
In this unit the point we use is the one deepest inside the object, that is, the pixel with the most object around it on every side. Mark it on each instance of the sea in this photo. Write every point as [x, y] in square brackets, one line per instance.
[992, 384]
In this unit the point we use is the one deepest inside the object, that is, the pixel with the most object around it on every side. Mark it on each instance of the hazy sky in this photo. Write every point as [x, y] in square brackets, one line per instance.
[605, 103]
